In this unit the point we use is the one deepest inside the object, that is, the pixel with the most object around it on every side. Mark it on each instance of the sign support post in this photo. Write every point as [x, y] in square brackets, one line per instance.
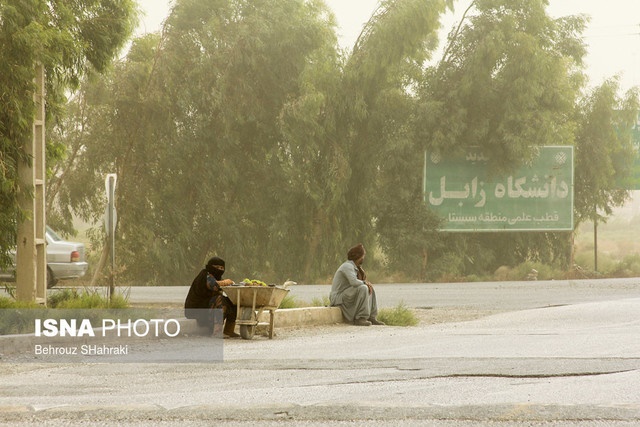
[110, 226]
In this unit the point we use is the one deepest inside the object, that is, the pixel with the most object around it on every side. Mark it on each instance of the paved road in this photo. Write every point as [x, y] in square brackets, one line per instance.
[481, 295]
[570, 357]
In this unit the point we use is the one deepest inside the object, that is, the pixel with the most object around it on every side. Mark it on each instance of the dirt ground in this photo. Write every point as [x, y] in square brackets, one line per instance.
[430, 316]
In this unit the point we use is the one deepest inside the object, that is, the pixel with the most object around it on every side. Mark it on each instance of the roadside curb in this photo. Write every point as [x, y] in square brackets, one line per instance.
[284, 318]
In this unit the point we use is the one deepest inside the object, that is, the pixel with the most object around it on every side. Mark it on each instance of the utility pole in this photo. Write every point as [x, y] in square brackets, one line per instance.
[31, 251]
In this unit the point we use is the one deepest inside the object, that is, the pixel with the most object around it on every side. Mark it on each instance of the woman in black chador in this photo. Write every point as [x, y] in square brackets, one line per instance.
[205, 295]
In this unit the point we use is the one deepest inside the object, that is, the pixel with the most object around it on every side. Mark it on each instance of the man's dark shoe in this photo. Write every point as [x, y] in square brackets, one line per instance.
[375, 321]
[361, 322]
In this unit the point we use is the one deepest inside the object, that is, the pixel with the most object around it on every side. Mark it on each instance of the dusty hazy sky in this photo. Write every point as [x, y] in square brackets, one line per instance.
[613, 35]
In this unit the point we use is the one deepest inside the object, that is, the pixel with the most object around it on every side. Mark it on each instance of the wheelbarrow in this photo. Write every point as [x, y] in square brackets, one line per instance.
[251, 302]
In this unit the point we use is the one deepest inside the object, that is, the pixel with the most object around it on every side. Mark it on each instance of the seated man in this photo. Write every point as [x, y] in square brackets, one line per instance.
[352, 292]
[205, 296]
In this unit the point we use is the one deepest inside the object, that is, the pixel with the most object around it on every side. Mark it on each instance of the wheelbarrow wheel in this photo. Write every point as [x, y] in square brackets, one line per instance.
[247, 331]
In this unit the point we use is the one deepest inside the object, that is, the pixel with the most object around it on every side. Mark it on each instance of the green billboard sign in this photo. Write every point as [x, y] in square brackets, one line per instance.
[537, 197]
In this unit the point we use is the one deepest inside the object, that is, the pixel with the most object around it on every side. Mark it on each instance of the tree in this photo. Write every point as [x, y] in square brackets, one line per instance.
[604, 153]
[191, 120]
[333, 132]
[604, 150]
[379, 75]
[254, 144]
[241, 130]
[508, 82]
[66, 37]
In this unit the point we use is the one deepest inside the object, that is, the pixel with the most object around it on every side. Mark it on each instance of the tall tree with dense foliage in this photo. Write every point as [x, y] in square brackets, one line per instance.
[604, 150]
[192, 121]
[508, 82]
[381, 76]
[242, 130]
[66, 37]
[355, 125]
[604, 153]
[245, 137]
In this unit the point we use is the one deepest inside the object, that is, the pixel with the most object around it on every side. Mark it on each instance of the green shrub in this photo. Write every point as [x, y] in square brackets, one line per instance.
[60, 296]
[628, 267]
[400, 315]
[291, 302]
[447, 268]
[584, 260]
[60, 305]
[288, 302]
[69, 299]
[72, 299]
[320, 302]
[6, 302]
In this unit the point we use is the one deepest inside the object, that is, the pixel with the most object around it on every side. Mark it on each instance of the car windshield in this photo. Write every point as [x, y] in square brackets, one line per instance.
[52, 234]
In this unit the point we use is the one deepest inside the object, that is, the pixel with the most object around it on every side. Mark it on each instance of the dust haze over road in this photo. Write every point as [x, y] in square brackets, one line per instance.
[562, 364]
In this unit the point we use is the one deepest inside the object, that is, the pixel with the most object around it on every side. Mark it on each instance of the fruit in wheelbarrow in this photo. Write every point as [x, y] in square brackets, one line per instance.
[253, 282]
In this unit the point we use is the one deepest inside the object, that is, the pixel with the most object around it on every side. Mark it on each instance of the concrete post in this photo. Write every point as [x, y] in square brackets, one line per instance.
[31, 256]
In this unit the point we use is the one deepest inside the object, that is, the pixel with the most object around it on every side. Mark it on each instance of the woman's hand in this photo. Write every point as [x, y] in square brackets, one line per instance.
[225, 282]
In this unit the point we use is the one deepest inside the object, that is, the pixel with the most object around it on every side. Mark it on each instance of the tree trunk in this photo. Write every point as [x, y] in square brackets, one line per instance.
[423, 267]
[572, 254]
[595, 244]
[314, 243]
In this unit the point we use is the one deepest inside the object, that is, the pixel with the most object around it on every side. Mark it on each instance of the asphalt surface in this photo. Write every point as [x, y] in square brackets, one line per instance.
[479, 296]
[561, 354]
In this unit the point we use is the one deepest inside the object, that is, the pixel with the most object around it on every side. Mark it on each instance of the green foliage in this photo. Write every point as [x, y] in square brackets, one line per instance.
[507, 82]
[241, 131]
[6, 302]
[399, 315]
[72, 299]
[483, 254]
[60, 302]
[67, 37]
[604, 150]
[449, 267]
[608, 266]
[377, 87]
[288, 302]
[521, 272]
[321, 302]
[628, 267]
[191, 124]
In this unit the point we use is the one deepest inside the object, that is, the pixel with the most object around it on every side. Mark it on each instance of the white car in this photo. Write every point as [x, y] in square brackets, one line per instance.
[65, 260]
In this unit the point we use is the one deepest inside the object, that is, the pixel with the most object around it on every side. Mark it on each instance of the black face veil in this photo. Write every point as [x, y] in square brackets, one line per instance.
[215, 272]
